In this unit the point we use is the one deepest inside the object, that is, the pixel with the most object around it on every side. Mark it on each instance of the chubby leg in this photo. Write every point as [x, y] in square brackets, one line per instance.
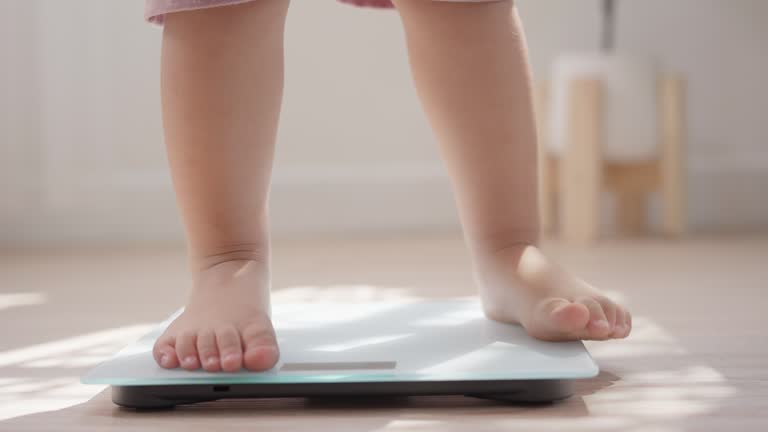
[222, 78]
[470, 66]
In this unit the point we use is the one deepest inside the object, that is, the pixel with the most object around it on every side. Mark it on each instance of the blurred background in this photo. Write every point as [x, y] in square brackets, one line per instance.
[92, 247]
[82, 159]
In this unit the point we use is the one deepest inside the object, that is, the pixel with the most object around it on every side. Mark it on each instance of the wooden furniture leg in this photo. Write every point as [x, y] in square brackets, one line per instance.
[581, 164]
[672, 132]
[631, 212]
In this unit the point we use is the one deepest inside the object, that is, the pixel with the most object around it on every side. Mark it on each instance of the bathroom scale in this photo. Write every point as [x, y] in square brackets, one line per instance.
[378, 348]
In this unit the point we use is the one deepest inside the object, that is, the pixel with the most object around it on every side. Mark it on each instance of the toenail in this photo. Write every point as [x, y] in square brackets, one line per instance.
[263, 349]
[230, 357]
[189, 360]
[211, 360]
[164, 360]
[601, 323]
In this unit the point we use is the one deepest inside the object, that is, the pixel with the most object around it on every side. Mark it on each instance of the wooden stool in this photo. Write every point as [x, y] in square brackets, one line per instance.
[572, 183]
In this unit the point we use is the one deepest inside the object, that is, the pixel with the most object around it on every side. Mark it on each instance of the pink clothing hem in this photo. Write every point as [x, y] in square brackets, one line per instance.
[155, 10]
[370, 3]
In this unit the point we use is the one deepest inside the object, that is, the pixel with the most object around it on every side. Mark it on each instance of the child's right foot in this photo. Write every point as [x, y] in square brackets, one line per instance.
[225, 325]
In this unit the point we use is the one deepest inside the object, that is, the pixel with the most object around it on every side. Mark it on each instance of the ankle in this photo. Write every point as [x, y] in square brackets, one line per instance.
[236, 277]
[250, 254]
[487, 245]
[491, 254]
[513, 259]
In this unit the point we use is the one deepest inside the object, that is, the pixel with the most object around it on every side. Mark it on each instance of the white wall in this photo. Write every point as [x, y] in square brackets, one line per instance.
[80, 139]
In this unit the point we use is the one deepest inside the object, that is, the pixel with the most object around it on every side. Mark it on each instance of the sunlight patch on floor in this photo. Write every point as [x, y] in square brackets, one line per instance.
[63, 350]
[11, 300]
[343, 293]
[639, 399]
[647, 338]
[24, 393]
[654, 395]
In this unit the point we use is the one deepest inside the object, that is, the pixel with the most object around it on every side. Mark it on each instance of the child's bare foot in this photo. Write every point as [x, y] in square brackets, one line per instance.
[225, 325]
[519, 284]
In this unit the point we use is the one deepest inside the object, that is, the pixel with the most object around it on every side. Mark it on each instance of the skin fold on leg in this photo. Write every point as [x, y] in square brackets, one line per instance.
[222, 81]
[469, 63]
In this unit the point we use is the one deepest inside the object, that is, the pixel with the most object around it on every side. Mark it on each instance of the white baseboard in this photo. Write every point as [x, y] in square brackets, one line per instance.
[339, 199]
[303, 200]
[729, 193]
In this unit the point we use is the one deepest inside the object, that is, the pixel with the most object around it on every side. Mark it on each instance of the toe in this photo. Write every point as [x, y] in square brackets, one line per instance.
[164, 352]
[598, 326]
[230, 350]
[259, 346]
[618, 331]
[609, 309]
[558, 319]
[624, 323]
[207, 350]
[569, 317]
[186, 350]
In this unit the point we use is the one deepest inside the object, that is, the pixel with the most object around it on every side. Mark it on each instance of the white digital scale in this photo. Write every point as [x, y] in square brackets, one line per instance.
[406, 348]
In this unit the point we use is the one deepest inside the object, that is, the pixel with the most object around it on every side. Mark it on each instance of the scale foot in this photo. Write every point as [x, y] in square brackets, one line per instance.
[140, 399]
[534, 392]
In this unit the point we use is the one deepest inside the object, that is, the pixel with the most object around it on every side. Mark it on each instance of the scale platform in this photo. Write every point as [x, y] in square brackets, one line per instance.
[381, 348]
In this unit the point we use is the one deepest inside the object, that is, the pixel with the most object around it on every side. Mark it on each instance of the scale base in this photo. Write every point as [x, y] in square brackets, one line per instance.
[169, 396]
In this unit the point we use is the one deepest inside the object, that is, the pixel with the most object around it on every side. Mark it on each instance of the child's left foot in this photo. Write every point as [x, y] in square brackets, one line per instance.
[520, 285]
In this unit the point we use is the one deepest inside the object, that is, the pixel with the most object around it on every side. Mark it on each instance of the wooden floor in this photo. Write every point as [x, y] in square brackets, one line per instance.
[697, 360]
